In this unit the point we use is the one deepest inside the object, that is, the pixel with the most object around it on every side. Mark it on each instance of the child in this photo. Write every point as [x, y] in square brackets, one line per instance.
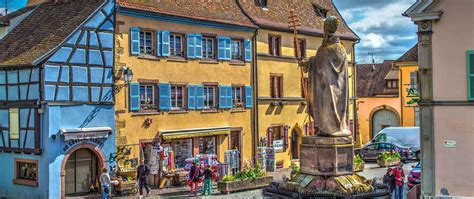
[207, 180]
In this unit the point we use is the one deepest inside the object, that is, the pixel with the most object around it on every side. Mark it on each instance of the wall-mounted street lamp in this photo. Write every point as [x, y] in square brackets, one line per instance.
[127, 75]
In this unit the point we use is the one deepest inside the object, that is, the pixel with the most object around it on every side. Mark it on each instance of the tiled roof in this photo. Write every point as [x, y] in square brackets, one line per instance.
[371, 79]
[410, 55]
[275, 15]
[43, 30]
[221, 11]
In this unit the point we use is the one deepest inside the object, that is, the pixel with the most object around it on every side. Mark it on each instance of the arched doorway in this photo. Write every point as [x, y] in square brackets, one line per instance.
[295, 143]
[383, 118]
[82, 171]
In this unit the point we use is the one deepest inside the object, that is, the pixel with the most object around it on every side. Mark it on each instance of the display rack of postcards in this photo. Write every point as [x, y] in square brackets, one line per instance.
[270, 159]
[261, 157]
[232, 158]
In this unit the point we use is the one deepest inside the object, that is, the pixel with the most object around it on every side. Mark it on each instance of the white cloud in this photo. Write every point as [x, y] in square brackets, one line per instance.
[2, 11]
[381, 27]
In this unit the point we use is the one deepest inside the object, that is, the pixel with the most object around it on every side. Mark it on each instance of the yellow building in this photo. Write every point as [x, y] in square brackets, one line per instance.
[191, 88]
[387, 95]
[281, 112]
[407, 66]
[378, 102]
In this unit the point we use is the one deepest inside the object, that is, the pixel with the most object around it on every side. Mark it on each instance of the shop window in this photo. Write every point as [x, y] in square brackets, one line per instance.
[148, 97]
[146, 42]
[210, 97]
[276, 86]
[26, 172]
[274, 42]
[207, 145]
[176, 45]
[302, 48]
[178, 97]
[208, 48]
[238, 96]
[183, 149]
[237, 50]
[14, 123]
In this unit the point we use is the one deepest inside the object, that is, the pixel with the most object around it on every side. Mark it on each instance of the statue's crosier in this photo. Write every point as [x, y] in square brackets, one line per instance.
[327, 87]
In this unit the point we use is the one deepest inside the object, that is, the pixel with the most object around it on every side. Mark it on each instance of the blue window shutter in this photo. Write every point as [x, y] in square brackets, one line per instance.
[227, 48]
[158, 43]
[221, 48]
[191, 46]
[198, 46]
[165, 96]
[165, 43]
[135, 41]
[200, 97]
[134, 96]
[470, 75]
[229, 97]
[222, 97]
[248, 97]
[248, 50]
[191, 97]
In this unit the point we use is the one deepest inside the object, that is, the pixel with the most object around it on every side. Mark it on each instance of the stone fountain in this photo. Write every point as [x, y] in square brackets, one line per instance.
[326, 160]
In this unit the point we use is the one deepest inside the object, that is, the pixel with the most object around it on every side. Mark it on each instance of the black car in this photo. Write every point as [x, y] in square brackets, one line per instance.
[370, 151]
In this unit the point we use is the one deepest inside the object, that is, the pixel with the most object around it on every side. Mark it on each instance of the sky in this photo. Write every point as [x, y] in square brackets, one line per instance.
[380, 25]
[12, 5]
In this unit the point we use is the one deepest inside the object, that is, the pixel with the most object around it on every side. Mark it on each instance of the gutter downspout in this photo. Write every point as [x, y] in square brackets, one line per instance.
[254, 83]
[354, 91]
[400, 94]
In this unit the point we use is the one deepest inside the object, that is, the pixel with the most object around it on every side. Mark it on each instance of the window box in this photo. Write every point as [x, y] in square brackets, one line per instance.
[26, 172]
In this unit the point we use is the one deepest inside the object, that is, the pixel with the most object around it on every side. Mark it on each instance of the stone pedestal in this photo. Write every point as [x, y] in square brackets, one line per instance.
[327, 156]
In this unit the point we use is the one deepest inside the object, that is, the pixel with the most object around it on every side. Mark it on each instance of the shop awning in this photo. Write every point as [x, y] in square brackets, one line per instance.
[190, 133]
[85, 133]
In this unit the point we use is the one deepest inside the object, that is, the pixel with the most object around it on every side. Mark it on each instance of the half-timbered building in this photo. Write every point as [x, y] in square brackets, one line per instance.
[56, 99]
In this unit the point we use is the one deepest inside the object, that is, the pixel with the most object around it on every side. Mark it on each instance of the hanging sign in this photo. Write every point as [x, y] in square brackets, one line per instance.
[278, 145]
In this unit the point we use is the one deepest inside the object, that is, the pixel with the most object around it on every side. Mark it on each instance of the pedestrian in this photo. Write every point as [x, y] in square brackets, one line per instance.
[142, 175]
[389, 180]
[207, 180]
[399, 180]
[193, 179]
[105, 182]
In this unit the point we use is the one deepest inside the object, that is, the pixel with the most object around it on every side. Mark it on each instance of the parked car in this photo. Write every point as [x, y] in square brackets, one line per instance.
[371, 151]
[403, 136]
[414, 177]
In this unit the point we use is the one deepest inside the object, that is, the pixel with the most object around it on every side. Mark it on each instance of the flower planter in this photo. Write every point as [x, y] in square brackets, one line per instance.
[239, 185]
[388, 162]
[359, 167]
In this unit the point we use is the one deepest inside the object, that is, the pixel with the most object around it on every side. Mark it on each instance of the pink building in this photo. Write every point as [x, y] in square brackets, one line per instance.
[446, 68]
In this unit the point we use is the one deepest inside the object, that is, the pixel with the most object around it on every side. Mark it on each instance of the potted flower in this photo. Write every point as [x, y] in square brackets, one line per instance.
[359, 163]
[386, 159]
[249, 178]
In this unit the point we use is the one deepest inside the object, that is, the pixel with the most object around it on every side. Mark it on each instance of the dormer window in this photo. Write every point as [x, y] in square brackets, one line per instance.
[320, 11]
[391, 84]
[262, 3]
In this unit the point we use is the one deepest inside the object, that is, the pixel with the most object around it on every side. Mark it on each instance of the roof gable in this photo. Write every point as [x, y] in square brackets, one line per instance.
[49, 25]
[410, 56]
[371, 79]
[275, 16]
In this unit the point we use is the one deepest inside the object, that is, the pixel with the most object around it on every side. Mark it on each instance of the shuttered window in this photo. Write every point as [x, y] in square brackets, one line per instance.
[176, 45]
[248, 50]
[210, 97]
[238, 96]
[248, 97]
[146, 42]
[224, 48]
[135, 41]
[178, 97]
[470, 74]
[14, 124]
[134, 99]
[165, 97]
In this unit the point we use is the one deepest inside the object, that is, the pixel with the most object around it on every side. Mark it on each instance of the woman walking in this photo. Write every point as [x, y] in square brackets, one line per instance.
[193, 179]
[105, 181]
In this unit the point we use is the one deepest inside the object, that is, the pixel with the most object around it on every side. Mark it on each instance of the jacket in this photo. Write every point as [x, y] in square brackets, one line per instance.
[399, 176]
[142, 171]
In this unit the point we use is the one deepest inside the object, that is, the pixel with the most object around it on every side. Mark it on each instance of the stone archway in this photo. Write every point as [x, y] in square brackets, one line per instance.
[102, 162]
[382, 117]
